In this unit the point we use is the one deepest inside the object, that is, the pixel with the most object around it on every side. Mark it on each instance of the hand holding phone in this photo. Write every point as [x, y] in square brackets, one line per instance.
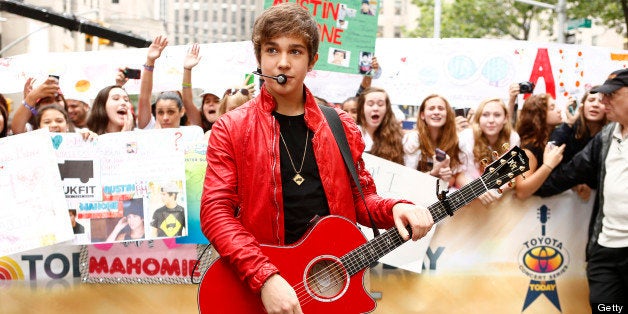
[572, 107]
[440, 154]
[132, 73]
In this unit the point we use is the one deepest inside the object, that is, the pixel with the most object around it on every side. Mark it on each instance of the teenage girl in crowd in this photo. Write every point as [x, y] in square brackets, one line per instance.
[56, 119]
[111, 111]
[490, 131]
[579, 129]
[538, 117]
[435, 128]
[233, 98]
[34, 97]
[380, 129]
[168, 105]
[208, 114]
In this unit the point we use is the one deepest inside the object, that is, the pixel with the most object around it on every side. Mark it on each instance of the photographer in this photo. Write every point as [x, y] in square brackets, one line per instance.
[538, 118]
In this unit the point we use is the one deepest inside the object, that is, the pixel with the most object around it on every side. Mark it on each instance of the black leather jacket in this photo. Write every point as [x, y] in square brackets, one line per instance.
[588, 166]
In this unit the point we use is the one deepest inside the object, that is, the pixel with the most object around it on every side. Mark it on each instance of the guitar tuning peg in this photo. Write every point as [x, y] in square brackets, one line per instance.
[513, 153]
[498, 182]
[495, 154]
[511, 183]
[505, 147]
[484, 162]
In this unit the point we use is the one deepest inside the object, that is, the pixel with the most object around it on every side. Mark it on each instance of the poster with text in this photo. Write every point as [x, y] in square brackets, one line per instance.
[348, 29]
[134, 187]
[34, 212]
[154, 261]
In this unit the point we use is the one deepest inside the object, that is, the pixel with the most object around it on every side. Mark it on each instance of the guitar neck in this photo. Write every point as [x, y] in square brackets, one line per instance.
[371, 251]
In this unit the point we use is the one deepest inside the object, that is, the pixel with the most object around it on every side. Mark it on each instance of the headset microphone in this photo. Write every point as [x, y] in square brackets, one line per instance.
[281, 78]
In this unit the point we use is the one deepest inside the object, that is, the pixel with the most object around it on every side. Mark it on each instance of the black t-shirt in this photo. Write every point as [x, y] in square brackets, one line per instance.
[301, 202]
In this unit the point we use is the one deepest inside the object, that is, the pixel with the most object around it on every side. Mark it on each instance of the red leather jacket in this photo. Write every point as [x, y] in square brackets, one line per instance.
[242, 204]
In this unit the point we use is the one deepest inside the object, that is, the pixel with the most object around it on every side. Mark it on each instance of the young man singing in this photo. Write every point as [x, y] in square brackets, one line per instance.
[274, 165]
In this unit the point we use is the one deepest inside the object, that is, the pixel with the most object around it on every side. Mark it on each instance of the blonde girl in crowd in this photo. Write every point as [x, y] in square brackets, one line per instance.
[380, 129]
[579, 128]
[111, 111]
[233, 98]
[538, 117]
[489, 136]
[435, 128]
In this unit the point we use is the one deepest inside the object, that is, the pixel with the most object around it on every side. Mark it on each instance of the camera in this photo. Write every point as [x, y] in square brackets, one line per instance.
[462, 112]
[132, 73]
[526, 87]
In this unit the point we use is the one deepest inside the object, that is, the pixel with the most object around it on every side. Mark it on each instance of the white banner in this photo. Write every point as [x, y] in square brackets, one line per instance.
[34, 213]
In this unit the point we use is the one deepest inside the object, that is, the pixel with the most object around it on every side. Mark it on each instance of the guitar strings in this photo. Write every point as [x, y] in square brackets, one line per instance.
[338, 270]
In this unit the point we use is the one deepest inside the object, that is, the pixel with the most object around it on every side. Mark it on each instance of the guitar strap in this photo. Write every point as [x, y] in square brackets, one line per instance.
[341, 139]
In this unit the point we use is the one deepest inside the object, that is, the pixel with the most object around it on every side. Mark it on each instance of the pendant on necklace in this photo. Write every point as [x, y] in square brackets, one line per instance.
[298, 179]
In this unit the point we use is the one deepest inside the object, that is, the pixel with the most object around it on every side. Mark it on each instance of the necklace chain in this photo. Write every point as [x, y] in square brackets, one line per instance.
[298, 179]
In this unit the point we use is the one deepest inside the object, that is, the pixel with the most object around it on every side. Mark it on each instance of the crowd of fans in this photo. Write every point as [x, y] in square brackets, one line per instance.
[470, 141]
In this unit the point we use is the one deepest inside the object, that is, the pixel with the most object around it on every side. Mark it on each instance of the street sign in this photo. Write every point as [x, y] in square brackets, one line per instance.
[578, 23]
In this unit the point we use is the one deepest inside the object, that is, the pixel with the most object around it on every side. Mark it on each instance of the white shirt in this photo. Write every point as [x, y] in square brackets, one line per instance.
[368, 141]
[412, 153]
[615, 223]
[467, 142]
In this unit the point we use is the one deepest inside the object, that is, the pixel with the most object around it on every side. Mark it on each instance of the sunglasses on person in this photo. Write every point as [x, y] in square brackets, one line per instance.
[234, 91]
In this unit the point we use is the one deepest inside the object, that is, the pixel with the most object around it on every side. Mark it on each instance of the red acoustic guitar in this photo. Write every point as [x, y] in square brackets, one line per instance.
[326, 267]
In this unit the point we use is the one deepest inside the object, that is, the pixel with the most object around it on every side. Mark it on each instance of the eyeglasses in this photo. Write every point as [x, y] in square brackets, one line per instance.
[232, 92]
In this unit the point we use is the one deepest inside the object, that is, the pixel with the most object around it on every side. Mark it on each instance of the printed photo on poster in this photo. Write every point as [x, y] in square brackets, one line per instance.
[364, 66]
[168, 209]
[368, 7]
[130, 226]
[339, 57]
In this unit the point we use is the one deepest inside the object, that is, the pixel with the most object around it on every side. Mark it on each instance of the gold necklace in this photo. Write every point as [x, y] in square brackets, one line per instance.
[298, 179]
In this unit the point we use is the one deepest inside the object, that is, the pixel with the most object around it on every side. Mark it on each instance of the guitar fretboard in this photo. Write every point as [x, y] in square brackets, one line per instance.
[364, 255]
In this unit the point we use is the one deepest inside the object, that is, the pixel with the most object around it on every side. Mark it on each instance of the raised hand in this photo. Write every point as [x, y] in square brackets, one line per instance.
[192, 58]
[156, 47]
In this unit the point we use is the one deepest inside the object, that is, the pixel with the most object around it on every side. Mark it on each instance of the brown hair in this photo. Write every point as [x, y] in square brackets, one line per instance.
[584, 128]
[448, 139]
[286, 19]
[98, 119]
[387, 137]
[481, 147]
[59, 108]
[532, 124]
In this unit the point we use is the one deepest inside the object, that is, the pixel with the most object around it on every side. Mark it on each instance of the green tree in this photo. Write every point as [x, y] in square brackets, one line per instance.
[495, 18]
[479, 19]
[612, 14]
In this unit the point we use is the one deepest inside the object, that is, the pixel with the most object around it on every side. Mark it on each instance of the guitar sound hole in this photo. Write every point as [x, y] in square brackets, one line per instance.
[326, 278]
